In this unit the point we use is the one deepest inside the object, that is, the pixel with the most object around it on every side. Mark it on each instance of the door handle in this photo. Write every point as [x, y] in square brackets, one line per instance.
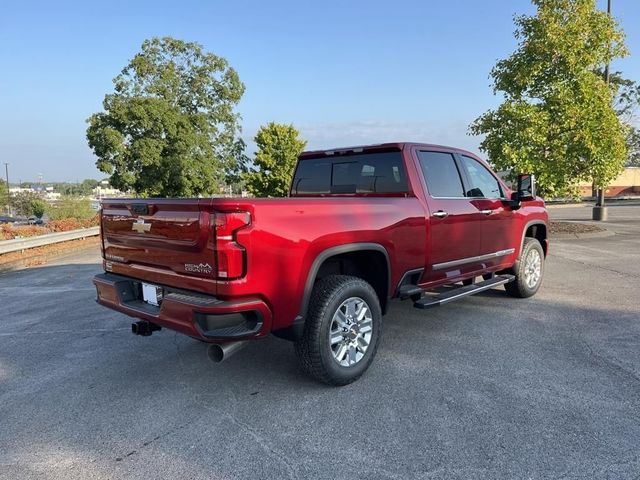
[440, 214]
[486, 212]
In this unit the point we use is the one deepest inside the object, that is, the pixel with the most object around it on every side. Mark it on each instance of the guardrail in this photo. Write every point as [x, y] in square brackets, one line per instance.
[19, 244]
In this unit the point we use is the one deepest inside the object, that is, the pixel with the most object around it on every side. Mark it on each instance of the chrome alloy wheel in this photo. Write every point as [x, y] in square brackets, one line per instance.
[350, 333]
[532, 268]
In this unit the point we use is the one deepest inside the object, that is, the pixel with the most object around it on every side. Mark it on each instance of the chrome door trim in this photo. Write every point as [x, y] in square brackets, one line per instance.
[479, 258]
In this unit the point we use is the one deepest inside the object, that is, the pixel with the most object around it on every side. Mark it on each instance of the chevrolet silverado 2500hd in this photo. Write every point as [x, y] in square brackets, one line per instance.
[361, 227]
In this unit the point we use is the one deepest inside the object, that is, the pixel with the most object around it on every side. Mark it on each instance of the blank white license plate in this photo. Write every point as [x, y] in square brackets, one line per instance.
[151, 294]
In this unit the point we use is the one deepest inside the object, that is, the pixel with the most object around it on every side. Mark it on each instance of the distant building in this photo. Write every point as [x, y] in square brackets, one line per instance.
[106, 190]
[51, 195]
[14, 190]
[626, 184]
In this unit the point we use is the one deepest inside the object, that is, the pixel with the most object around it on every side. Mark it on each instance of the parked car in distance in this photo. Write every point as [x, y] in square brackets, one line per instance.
[33, 220]
[362, 228]
[7, 219]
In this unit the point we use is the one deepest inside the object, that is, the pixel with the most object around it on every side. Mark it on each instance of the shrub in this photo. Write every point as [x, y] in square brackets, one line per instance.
[66, 224]
[38, 207]
[69, 207]
[9, 232]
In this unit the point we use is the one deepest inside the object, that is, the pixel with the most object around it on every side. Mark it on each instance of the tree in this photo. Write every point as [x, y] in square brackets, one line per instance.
[169, 128]
[633, 145]
[236, 174]
[557, 119]
[87, 186]
[626, 103]
[278, 151]
[23, 202]
[38, 208]
[3, 194]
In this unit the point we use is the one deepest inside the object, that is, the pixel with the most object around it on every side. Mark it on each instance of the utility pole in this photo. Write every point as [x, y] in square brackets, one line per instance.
[600, 211]
[6, 171]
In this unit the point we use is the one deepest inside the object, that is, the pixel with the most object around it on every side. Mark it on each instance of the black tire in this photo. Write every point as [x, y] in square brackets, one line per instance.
[314, 349]
[468, 281]
[520, 287]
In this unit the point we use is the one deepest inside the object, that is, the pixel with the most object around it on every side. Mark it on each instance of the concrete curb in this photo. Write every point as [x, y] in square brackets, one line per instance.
[578, 236]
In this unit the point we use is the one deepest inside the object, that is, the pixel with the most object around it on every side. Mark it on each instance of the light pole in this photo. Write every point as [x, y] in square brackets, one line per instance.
[6, 171]
[600, 211]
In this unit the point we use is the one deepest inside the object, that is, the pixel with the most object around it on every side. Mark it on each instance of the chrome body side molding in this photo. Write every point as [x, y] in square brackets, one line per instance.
[479, 258]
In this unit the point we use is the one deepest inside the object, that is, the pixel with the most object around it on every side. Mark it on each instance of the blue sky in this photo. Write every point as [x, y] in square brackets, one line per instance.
[343, 72]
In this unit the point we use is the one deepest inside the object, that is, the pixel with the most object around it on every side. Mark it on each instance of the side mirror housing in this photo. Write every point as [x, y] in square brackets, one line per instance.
[525, 190]
[526, 187]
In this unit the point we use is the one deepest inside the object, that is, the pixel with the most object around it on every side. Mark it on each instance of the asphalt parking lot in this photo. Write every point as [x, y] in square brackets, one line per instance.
[489, 387]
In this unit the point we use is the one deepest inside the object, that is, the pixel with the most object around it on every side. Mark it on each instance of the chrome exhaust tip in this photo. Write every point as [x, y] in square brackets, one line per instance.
[219, 353]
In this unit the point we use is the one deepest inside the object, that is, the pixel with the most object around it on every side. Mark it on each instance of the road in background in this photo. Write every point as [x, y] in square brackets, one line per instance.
[489, 387]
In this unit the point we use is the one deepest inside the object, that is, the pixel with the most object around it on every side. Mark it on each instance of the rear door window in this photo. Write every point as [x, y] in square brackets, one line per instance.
[441, 174]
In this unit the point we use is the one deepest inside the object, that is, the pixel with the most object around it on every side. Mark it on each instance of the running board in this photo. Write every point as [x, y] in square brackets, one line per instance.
[461, 292]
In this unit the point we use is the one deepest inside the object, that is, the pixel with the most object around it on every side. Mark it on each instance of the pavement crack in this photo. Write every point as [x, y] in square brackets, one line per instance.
[145, 444]
[610, 363]
[291, 469]
[592, 265]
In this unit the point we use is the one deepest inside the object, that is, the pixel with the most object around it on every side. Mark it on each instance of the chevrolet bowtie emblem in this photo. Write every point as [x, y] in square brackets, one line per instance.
[141, 227]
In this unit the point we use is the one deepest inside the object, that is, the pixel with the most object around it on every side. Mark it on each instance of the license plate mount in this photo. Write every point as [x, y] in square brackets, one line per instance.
[152, 294]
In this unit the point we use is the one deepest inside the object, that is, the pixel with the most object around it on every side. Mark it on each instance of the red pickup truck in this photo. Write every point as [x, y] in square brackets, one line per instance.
[361, 227]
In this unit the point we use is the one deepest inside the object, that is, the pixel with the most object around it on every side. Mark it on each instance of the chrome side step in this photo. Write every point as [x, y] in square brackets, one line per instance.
[461, 292]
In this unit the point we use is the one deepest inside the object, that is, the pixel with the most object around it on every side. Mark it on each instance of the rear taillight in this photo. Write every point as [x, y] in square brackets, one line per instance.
[230, 255]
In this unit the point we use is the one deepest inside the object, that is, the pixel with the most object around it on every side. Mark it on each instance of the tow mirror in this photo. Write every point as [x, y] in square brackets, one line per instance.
[525, 189]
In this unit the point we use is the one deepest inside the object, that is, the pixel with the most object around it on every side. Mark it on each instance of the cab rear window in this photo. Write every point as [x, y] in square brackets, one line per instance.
[381, 172]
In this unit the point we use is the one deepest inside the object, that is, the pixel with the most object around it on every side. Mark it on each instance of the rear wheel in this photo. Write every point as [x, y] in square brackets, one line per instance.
[341, 331]
[528, 270]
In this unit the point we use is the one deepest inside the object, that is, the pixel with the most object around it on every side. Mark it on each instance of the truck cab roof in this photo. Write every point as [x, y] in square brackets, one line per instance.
[380, 147]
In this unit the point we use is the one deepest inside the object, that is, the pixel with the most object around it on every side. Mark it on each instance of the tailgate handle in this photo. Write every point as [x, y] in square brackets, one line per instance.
[140, 209]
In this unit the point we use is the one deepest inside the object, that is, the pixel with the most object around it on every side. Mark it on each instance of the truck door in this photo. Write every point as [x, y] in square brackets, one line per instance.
[455, 224]
[487, 194]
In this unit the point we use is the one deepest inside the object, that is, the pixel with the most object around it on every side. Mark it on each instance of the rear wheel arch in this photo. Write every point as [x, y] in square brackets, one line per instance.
[363, 260]
[368, 261]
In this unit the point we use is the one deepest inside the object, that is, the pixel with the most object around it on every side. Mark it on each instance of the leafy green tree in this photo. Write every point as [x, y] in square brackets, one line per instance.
[169, 128]
[38, 208]
[87, 186]
[3, 196]
[557, 119]
[633, 145]
[278, 149]
[22, 202]
[236, 174]
[626, 103]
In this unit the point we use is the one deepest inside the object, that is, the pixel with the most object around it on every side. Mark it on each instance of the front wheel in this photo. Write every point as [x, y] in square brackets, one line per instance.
[529, 269]
[341, 331]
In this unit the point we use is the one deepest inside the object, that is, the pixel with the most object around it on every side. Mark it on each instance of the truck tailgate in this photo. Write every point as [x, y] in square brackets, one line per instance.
[164, 235]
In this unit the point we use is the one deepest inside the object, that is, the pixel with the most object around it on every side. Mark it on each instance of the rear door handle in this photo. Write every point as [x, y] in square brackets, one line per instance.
[440, 214]
[486, 212]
